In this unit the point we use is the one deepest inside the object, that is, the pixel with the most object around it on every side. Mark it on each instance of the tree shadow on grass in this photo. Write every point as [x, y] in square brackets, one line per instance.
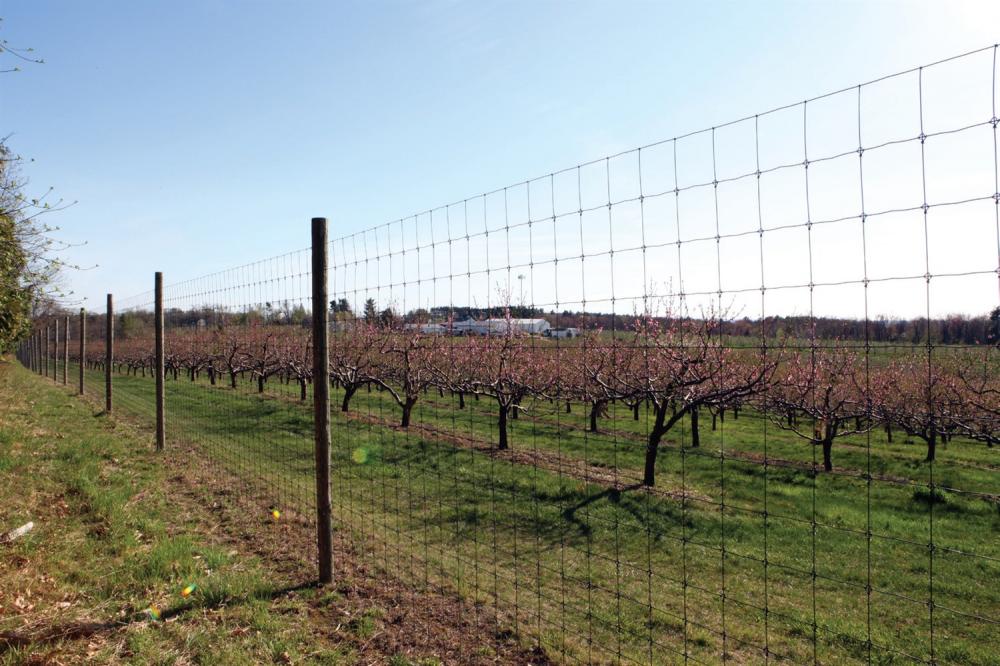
[79, 630]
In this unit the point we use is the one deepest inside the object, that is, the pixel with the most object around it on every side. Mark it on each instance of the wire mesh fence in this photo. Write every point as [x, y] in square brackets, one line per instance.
[705, 400]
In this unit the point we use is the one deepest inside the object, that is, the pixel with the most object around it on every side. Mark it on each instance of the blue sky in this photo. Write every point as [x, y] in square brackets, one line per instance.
[201, 135]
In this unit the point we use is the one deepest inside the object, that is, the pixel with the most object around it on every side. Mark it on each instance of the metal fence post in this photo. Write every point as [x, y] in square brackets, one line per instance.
[48, 349]
[158, 325]
[83, 344]
[109, 352]
[65, 376]
[321, 398]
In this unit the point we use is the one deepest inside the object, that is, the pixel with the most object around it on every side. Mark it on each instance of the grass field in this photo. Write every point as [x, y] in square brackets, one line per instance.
[111, 540]
[120, 530]
[595, 570]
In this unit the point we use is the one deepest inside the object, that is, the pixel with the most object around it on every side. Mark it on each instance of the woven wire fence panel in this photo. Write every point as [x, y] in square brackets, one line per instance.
[238, 374]
[656, 408]
[699, 401]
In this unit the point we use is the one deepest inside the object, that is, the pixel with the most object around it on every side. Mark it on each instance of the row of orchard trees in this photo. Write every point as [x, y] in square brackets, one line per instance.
[676, 367]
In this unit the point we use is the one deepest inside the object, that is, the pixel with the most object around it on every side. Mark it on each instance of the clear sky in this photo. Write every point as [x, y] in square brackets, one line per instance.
[201, 135]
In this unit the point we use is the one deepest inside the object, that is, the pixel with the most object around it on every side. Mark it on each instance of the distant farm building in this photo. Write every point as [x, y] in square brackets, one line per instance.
[562, 333]
[428, 329]
[498, 326]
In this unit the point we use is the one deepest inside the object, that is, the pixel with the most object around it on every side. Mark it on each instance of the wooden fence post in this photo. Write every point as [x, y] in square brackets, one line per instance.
[158, 325]
[65, 376]
[55, 350]
[48, 349]
[109, 353]
[321, 398]
[83, 345]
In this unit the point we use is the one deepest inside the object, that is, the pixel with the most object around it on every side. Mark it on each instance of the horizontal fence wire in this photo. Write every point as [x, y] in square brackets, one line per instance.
[731, 396]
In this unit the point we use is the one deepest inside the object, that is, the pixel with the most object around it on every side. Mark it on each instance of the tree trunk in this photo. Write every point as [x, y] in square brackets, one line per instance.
[232, 379]
[715, 417]
[502, 426]
[595, 409]
[695, 435]
[260, 384]
[461, 400]
[407, 409]
[348, 394]
[931, 445]
[568, 410]
[827, 450]
[302, 389]
[653, 445]
[888, 432]
[211, 376]
[635, 412]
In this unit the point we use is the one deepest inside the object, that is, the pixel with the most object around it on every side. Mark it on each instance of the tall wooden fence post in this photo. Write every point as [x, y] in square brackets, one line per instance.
[48, 348]
[321, 398]
[65, 376]
[109, 352]
[158, 325]
[83, 345]
[55, 350]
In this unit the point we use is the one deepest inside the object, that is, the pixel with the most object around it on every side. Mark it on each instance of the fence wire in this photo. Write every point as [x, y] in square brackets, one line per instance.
[701, 401]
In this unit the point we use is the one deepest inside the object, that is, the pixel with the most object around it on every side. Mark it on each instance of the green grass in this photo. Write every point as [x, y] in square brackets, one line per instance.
[592, 573]
[110, 542]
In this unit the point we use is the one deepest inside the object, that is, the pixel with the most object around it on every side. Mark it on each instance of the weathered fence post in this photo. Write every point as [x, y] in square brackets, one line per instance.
[55, 351]
[65, 350]
[109, 353]
[83, 344]
[48, 349]
[158, 325]
[321, 398]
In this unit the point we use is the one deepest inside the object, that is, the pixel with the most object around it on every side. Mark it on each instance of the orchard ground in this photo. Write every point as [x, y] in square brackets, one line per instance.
[585, 565]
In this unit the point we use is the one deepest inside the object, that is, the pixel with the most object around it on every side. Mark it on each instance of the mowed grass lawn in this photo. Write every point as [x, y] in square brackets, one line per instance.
[841, 570]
